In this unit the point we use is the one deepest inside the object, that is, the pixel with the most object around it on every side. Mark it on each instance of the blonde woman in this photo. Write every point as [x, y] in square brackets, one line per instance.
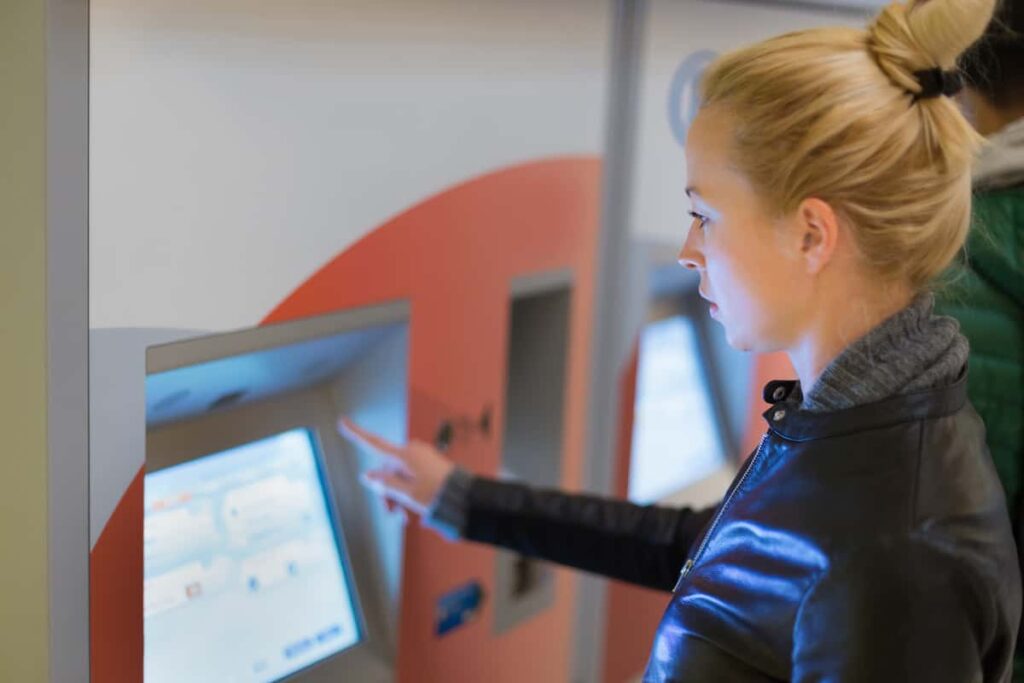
[867, 538]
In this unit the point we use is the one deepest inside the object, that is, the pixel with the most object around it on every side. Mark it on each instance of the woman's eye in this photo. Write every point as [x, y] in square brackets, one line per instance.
[699, 218]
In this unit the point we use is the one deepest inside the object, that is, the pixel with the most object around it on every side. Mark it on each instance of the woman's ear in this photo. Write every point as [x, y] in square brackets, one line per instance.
[818, 229]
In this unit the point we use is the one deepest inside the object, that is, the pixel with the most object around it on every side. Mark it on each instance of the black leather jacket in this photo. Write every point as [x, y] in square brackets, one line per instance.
[868, 544]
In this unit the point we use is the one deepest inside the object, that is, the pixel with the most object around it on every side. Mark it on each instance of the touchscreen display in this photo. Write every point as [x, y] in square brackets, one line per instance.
[245, 579]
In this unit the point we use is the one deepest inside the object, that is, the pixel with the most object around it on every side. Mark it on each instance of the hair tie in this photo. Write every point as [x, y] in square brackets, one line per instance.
[936, 82]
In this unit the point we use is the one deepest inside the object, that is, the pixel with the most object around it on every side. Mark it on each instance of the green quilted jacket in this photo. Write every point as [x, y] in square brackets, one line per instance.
[985, 291]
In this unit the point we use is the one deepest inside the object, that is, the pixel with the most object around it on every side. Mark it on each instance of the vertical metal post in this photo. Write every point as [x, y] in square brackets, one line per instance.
[611, 337]
[67, 335]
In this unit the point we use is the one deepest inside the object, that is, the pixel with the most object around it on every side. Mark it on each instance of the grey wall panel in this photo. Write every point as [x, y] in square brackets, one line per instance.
[117, 413]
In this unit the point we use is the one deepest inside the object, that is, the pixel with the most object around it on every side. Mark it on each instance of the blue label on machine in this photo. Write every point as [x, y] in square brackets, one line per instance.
[457, 607]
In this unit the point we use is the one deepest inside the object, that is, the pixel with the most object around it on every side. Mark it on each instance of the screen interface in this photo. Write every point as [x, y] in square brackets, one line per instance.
[244, 580]
[675, 434]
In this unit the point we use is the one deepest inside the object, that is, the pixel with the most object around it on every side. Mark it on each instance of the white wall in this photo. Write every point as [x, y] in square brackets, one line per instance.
[238, 145]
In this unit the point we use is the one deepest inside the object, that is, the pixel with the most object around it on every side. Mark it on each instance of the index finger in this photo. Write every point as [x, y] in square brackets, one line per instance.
[382, 446]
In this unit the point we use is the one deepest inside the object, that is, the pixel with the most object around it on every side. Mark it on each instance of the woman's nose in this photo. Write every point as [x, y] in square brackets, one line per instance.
[689, 256]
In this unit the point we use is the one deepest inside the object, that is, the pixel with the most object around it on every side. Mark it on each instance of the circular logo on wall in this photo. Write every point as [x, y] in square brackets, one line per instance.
[683, 94]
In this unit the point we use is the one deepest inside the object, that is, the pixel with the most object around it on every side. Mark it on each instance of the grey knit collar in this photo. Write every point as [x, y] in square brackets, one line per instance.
[911, 351]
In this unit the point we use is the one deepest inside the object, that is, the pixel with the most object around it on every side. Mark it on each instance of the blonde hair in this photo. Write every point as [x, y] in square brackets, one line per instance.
[831, 113]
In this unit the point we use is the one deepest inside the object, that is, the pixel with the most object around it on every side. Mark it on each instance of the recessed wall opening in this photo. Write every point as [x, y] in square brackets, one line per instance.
[532, 445]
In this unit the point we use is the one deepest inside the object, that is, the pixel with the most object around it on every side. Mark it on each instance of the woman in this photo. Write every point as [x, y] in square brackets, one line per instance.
[867, 538]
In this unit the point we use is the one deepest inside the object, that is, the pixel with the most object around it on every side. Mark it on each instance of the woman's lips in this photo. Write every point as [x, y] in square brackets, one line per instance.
[713, 306]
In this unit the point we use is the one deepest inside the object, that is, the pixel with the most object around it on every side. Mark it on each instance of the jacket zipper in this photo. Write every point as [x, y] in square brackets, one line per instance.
[718, 516]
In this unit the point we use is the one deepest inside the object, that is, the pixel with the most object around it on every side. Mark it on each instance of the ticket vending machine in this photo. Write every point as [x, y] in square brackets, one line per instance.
[264, 559]
[684, 384]
[465, 321]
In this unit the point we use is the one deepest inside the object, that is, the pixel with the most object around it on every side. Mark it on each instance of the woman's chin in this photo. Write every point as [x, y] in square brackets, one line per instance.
[738, 341]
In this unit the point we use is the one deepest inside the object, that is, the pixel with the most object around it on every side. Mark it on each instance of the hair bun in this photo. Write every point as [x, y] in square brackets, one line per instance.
[920, 35]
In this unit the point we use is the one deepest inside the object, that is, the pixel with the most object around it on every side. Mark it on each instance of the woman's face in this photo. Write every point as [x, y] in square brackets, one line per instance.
[747, 259]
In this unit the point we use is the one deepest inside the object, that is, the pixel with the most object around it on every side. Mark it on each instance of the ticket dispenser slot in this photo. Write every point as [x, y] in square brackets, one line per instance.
[264, 559]
[532, 444]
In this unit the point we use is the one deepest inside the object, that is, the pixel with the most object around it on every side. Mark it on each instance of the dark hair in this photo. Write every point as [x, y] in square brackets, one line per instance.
[994, 66]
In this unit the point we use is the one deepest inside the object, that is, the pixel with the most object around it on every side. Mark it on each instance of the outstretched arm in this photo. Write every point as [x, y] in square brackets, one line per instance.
[642, 544]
